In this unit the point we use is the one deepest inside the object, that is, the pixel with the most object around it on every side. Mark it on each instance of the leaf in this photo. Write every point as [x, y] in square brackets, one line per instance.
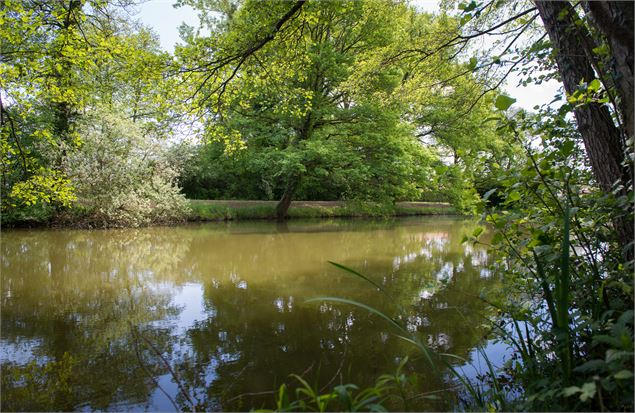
[473, 63]
[467, 7]
[424, 349]
[591, 366]
[504, 102]
[513, 196]
[491, 119]
[488, 194]
[352, 271]
[594, 86]
[570, 391]
[587, 391]
[563, 13]
[606, 339]
[478, 231]
[602, 50]
[623, 375]
[567, 148]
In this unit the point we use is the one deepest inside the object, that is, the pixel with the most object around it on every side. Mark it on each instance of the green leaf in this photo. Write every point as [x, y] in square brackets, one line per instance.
[492, 119]
[468, 7]
[504, 102]
[587, 391]
[567, 148]
[488, 194]
[602, 50]
[513, 196]
[591, 366]
[350, 270]
[594, 86]
[623, 375]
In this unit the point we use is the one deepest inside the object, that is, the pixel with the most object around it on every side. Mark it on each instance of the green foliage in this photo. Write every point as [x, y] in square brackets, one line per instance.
[337, 121]
[569, 294]
[219, 211]
[503, 102]
[65, 65]
[121, 178]
[45, 55]
[347, 397]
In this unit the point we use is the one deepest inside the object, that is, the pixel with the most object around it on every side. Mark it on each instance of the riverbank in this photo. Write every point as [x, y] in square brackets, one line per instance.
[226, 210]
[230, 210]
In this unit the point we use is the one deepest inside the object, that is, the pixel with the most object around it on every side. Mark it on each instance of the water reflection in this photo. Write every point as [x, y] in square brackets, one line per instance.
[90, 318]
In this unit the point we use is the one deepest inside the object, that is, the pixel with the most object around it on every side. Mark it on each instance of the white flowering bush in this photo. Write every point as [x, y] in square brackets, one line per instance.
[122, 176]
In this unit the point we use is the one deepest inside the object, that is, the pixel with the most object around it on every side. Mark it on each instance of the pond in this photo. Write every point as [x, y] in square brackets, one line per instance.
[106, 319]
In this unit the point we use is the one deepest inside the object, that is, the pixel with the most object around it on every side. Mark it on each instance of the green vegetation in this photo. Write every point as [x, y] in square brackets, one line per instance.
[366, 104]
[230, 210]
[85, 115]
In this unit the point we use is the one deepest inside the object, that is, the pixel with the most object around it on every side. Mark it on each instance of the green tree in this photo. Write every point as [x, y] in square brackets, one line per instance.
[64, 63]
[322, 92]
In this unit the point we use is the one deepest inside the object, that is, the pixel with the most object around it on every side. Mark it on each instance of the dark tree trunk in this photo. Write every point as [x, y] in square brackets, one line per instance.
[600, 135]
[602, 138]
[283, 205]
[615, 21]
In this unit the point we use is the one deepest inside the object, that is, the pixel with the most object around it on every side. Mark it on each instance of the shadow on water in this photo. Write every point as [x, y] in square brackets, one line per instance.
[223, 307]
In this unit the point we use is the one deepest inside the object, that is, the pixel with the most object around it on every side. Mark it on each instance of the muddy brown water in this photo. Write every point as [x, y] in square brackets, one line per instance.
[105, 320]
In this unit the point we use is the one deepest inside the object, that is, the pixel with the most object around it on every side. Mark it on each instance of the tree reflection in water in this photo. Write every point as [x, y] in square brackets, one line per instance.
[224, 305]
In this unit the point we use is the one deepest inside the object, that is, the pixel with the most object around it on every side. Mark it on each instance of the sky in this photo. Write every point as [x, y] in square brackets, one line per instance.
[165, 20]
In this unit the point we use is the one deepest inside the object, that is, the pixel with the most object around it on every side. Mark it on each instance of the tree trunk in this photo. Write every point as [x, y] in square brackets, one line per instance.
[615, 21]
[601, 137]
[305, 131]
[283, 205]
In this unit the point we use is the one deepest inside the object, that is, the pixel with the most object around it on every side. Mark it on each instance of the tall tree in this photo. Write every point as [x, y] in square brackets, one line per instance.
[615, 21]
[46, 49]
[605, 145]
[317, 79]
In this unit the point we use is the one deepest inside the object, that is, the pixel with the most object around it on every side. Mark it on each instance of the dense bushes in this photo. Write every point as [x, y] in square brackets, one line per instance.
[120, 176]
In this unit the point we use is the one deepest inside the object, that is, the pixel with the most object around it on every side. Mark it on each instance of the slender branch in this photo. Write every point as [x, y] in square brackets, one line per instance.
[215, 66]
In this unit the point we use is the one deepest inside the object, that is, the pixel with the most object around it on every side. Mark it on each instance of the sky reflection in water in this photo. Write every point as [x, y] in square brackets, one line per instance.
[86, 314]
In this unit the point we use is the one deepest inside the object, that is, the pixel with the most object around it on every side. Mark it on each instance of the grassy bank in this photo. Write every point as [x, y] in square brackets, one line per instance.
[207, 210]
[226, 210]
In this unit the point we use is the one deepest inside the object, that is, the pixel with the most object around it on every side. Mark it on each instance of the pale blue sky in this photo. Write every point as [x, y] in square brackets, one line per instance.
[165, 20]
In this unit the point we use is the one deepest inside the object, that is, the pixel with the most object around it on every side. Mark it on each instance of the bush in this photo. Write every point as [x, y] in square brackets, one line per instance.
[122, 178]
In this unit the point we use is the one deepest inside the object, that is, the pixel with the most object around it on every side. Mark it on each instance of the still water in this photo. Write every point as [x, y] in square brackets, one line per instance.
[105, 320]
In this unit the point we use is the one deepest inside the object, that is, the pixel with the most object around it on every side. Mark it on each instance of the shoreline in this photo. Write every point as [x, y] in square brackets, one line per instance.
[246, 210]
[229, 210]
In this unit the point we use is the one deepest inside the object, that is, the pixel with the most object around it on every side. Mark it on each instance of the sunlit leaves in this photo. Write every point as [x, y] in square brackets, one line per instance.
[45, 185]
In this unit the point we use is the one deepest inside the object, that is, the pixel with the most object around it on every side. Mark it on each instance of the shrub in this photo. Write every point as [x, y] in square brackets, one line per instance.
[121, 175]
